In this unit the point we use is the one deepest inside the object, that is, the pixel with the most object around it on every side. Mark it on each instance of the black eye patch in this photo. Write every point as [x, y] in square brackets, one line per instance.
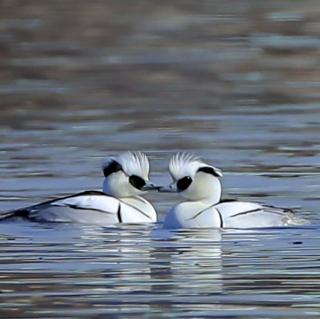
[209, 170]
[137, 181]
[184, 183]
[112, 168]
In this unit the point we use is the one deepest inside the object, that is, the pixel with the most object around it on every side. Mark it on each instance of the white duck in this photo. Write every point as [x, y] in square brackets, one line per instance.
[200, 184]
[126, 178]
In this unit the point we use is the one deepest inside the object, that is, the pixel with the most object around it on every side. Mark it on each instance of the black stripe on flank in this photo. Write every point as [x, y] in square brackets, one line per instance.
[82, 208]
[137, 209]
[247, 212]
[141, 199]
[221, 219]
[282, 212]
[119, 213]
[201, 211]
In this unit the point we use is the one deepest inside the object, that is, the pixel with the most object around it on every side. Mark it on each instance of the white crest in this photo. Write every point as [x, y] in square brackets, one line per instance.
[132, 163]
[186, 164]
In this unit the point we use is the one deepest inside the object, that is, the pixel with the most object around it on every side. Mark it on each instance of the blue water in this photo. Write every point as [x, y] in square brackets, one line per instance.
[236, 83]
[73, 271]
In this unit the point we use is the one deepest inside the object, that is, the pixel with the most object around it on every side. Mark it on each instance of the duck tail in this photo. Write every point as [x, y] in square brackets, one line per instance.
[14, 213]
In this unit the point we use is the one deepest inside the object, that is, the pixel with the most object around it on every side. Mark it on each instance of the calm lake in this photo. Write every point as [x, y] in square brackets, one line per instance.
[236, 82]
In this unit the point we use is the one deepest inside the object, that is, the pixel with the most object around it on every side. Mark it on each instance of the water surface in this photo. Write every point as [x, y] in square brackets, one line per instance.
[236, 83]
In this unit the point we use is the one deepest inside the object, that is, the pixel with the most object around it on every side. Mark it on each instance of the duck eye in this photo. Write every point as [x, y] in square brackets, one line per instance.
[184, 183]
[137, 181]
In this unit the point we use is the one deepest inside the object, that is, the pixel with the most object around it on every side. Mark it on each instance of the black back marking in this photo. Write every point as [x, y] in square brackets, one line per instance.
[24, 212]
[112, 167]
[84, 193]
[208, 170]
[227, 200]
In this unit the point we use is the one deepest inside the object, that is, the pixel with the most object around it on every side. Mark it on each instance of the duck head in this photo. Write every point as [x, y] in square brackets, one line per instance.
[127, 175]
[194, 179]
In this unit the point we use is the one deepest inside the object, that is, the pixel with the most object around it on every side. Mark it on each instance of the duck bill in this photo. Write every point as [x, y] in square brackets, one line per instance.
[172, 188]
[150, 187]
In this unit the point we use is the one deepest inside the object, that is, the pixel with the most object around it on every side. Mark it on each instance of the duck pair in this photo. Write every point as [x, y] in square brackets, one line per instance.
[127, 178]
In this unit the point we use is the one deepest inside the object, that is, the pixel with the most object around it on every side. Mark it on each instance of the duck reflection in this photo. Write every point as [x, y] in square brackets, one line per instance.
[187, 260]
[155, 267]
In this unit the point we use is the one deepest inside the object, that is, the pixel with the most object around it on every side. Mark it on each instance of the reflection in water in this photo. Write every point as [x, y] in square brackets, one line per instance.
[77, 270]
[187, 254]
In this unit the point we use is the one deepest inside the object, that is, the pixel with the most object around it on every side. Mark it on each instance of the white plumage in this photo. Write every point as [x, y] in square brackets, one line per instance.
[126, 179]
[200, 184]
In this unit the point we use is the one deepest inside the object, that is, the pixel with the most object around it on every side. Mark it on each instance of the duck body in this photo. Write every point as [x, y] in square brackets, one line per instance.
[199, 183]
[126, 179]
[230, 214]
[90, 207]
